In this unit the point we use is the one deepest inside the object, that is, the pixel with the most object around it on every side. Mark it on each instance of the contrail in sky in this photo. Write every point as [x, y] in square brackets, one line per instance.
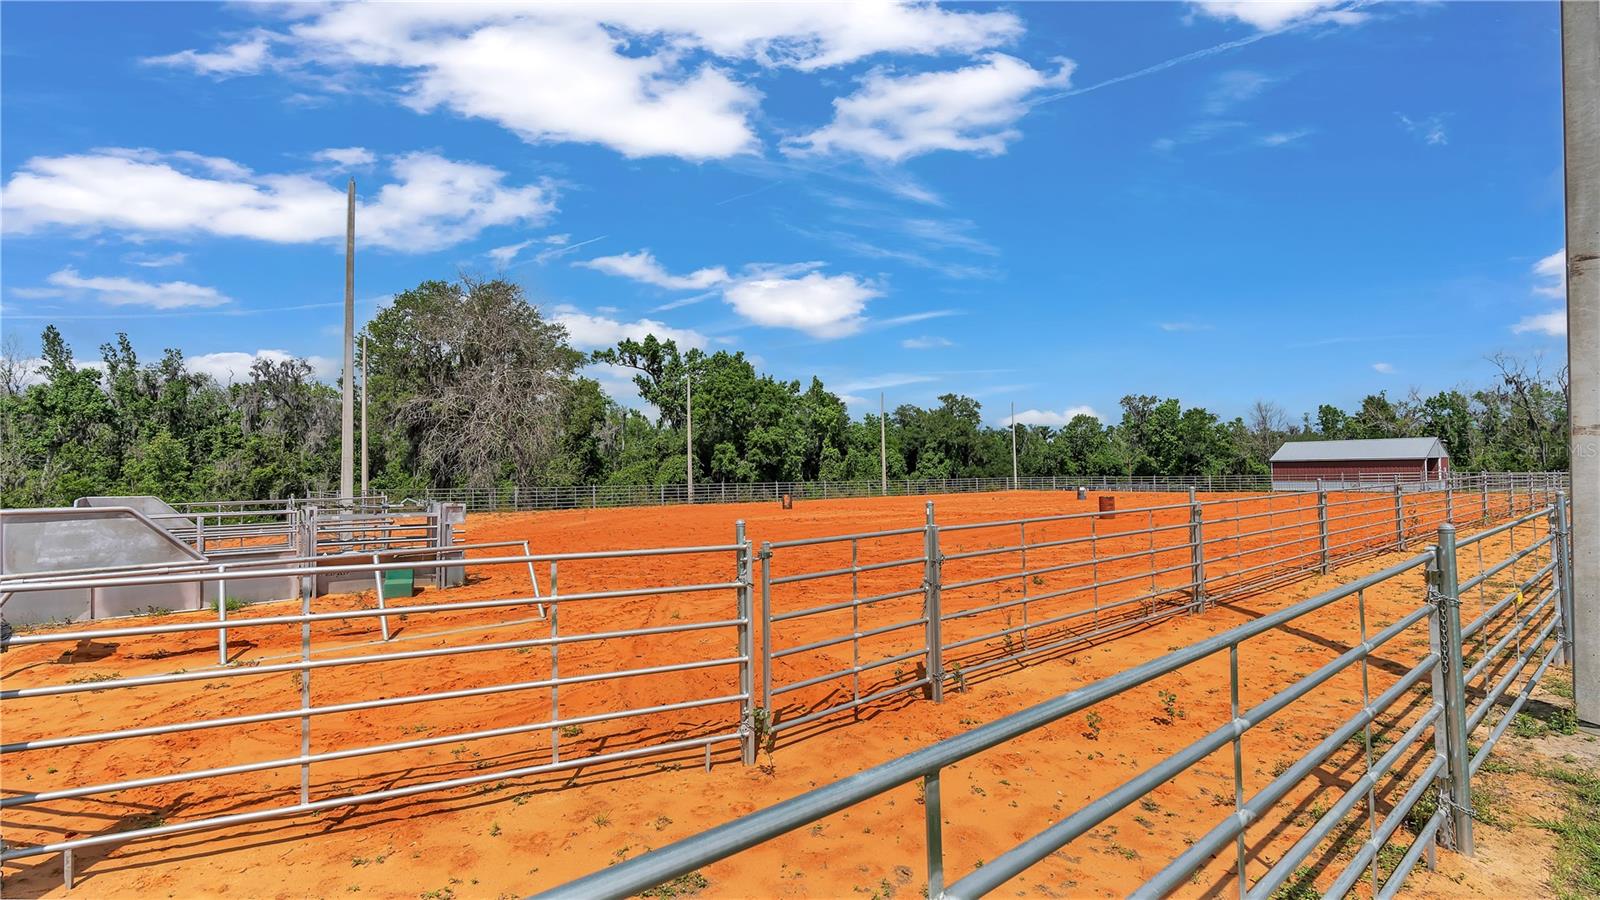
[1180, 60]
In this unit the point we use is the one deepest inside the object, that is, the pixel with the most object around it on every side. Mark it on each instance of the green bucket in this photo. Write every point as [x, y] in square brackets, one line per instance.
[399, 583]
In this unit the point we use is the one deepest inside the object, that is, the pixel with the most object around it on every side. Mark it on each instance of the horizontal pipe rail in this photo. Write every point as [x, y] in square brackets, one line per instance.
[645, 872]
[350, 753]
[120, 837]
[309, 618]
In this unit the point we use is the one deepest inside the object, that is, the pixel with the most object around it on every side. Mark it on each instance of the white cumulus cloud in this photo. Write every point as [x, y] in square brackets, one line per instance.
[229, 367]
[823, 306]
[590, 332]
[430, 203]
[645, 79]
[974, 109]
[644, 267]
[1269, 15]
[1050, 417]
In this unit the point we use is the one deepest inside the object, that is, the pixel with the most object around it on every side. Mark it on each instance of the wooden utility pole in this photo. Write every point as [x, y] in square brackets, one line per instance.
[347, 425]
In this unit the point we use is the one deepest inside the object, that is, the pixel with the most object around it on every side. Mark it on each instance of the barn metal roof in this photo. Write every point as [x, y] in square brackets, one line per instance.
[1374, 448]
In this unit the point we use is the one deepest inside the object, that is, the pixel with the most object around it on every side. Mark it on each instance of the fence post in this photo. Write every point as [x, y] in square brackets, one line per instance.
[930, 590]
[1399, 518]
[1456, 793]
[1322, 524]
[766, 633]
[747, 686]
[933, 822]
[1449, 503]
[1563, 576]
[1197, 553]
[222, 615]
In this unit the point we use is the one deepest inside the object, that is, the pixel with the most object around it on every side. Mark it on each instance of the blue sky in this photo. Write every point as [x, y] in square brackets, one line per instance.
[1047, 204]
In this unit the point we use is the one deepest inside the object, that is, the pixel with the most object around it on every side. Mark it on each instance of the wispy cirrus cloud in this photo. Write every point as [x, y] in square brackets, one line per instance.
[347, 157]
[154, 260]
[123, 291]
[1428, 129]
[1550, 281]
[1285, 138]
[1550, 275]
[1550, 324]
[246, 56]
[888, 380]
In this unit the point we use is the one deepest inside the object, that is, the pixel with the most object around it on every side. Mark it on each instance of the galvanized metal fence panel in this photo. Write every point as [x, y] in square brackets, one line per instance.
[1009, 590]
[844, 623]
[1015, 589]
[1405, 700]
[537, 676]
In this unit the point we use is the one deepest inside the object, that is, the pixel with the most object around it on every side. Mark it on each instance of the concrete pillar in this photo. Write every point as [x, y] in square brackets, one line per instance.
[1580, 75]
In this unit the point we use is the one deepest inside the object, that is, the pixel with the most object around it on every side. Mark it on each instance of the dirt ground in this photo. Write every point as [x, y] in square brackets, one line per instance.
[510, 836]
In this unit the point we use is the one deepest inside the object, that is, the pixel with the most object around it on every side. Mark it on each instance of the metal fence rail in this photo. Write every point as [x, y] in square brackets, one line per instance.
[1430, 696]
[546, 497]
[532, 685]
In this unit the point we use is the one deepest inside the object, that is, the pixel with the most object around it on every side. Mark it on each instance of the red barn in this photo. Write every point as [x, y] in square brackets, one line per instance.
[1298, 464]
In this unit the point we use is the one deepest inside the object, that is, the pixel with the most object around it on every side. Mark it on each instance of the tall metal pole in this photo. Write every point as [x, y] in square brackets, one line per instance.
[364, 415]
[347, 424]
[1013, 445]
[1580, 79]
[688, 431]
[883, 445]
[1447, 614]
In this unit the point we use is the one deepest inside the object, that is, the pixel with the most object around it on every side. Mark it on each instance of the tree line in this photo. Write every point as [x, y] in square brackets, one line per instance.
[470, 386]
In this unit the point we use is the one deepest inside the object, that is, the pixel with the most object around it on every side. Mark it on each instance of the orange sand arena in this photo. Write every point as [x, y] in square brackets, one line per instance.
[510, 836]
